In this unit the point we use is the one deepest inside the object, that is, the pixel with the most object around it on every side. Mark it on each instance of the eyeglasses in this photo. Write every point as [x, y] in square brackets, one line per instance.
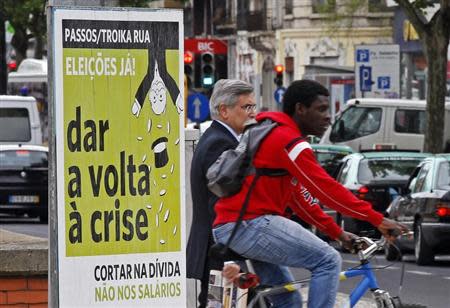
[249, 108]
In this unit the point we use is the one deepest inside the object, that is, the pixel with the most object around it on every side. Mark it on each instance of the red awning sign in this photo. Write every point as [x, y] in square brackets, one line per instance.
[205, 45]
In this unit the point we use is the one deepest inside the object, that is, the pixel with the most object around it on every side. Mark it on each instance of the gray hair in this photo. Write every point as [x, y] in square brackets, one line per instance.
[226, 92]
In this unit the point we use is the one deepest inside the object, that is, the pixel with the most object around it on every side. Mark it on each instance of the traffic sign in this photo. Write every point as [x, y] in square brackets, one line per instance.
[198, 107]
[384, 82]
[362, 55]
[365, 78]
[377, 71]
[278, 94]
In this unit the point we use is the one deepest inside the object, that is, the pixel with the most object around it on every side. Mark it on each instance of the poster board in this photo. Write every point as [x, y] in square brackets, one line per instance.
[119, 146]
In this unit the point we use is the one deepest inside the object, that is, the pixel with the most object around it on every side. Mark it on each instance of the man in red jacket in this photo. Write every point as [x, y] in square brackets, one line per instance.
[271, 239]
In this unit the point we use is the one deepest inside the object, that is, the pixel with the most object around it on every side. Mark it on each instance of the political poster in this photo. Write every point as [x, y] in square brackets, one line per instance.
[119, 157]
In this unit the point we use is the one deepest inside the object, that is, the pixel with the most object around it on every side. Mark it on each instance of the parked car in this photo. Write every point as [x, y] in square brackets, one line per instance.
[425, 209]
[377, 177]
[379, 124]
[24, 180]
[330, 156]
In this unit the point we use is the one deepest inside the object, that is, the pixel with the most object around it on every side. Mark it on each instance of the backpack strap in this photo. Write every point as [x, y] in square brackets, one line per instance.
[243, 210]
[271, 172]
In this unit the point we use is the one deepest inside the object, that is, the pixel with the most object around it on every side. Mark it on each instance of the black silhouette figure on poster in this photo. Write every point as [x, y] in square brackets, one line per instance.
[164, 36]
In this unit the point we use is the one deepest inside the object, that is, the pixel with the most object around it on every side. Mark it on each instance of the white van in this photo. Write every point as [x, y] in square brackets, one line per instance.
[372, 123]
[31, 79]
[19, 120]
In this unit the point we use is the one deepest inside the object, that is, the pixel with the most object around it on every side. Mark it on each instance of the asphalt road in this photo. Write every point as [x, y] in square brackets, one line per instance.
[24, 225]
[426, 285]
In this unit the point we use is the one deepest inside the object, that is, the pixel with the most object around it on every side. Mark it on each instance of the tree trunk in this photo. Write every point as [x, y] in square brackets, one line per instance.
[436, 43]
[39, 51]
[20, 43]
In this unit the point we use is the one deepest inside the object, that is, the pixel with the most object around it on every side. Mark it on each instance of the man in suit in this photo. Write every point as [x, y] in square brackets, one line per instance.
[232, 103]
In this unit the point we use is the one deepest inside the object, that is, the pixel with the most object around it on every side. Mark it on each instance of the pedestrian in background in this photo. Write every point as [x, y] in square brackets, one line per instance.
[232, 103]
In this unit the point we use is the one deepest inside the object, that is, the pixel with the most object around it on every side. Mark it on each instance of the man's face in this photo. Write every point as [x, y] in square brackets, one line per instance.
[238, 114]
[315, 119]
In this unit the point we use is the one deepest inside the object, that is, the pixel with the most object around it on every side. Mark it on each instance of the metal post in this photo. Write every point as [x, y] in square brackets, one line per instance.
[53, 282]
[3, 68]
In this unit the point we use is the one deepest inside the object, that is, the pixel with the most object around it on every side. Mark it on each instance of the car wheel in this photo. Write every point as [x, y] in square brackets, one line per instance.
[423, 252]
[392, 253]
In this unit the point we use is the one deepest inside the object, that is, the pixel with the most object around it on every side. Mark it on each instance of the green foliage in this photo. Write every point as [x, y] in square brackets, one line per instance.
[422, 4]
[329, 6]
[134, 3]
[27, 17]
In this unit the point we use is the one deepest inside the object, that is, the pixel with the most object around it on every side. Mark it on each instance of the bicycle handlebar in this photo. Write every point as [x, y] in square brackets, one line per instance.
[366, 247]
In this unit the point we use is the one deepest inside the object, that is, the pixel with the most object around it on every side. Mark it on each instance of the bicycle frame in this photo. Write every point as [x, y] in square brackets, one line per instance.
[369, 282]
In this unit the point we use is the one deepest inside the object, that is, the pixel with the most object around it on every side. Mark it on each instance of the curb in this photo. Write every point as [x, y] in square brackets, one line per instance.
[22, 254]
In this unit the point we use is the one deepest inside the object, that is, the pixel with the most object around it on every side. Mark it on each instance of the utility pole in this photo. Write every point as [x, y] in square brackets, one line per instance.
[3, 68]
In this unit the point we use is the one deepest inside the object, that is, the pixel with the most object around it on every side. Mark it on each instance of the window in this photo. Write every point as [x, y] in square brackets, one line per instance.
[386, 168]
[356, 122]
[410, 121]
[376, 6]
[342, 176]
[288, 7]
[23, 158]
[443, 180]
[255, 6]
[14, 124]
[422, 183]
[323, 6]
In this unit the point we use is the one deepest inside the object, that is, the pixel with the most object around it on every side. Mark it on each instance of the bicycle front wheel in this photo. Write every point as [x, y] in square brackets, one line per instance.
[398, 304]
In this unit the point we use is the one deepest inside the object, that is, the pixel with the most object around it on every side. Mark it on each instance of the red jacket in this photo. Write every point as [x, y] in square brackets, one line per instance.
[285, 148]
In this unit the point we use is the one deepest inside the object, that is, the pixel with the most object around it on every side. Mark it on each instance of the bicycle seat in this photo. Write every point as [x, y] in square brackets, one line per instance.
[220, 251]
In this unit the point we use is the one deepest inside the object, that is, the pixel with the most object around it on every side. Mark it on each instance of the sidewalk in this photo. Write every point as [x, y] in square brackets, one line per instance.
[22, 254]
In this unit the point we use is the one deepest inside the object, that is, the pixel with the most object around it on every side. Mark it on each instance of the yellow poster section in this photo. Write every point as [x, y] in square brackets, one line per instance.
[104, 211]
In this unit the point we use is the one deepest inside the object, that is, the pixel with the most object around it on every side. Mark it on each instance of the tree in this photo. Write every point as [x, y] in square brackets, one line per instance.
[27, 17]
[435, 36]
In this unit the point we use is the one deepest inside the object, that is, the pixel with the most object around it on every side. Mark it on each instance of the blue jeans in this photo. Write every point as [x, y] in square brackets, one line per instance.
[277, 243]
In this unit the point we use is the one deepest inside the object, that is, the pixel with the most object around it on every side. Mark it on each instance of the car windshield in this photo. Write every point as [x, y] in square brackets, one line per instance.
[23, 158]
[356, 122]
[389, 168]
[329, 160]
[14, 124]
[443, 181]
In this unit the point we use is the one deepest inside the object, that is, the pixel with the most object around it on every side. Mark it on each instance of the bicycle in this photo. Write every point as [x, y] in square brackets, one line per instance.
[365, 248]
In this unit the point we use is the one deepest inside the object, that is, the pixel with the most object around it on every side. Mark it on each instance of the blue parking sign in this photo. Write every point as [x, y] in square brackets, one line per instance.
[384, 82]
[365, 78]
[362, 55]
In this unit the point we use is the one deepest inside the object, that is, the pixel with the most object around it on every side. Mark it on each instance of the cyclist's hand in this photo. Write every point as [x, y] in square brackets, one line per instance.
[391, 229]
[347, 239]
[230, 271]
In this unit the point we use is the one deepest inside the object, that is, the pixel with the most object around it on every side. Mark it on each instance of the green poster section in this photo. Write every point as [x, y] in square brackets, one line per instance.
[116, 200]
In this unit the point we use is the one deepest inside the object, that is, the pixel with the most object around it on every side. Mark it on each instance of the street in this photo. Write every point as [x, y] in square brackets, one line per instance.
[427, 285]
[24, 225]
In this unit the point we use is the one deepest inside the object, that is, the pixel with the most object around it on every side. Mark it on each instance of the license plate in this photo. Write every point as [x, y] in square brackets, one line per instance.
[24, 199]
